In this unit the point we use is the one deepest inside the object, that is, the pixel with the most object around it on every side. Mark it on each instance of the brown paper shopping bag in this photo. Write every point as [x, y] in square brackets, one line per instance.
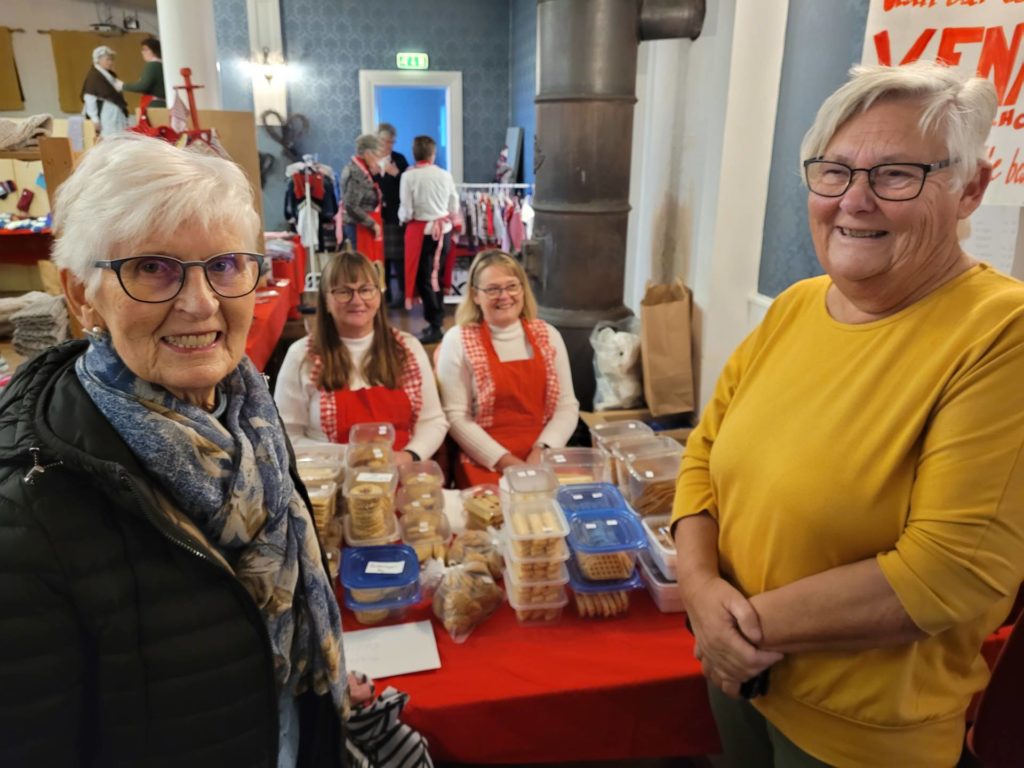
[666, 348]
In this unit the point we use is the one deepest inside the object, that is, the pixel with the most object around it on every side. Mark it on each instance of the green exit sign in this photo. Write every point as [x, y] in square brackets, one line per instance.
[407, 60]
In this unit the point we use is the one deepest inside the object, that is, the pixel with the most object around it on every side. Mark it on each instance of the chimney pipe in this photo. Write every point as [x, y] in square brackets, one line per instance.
[586, 89]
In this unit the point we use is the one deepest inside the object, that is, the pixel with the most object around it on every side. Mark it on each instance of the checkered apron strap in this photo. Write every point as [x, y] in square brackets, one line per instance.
[411, 380]
[328, 407]
[552, 389]
[472, 343]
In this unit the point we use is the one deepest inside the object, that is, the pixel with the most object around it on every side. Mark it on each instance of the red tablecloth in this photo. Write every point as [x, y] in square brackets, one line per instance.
[267, 323]
[24, 247]
[580, 690]
[295, 271]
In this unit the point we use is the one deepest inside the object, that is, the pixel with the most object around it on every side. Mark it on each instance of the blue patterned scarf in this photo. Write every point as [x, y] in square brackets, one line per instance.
[232, 481]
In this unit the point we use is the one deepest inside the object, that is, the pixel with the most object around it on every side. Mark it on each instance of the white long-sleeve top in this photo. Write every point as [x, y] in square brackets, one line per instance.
[299, 401]
[427, 193]
[455, 376]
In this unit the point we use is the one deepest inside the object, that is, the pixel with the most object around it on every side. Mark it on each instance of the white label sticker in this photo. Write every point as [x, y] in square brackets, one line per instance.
[577, 497]
[374, 477]
[611, 522]
[390, 568]
[648, 474]
[597, 495]
[560, 459]
[423, 527]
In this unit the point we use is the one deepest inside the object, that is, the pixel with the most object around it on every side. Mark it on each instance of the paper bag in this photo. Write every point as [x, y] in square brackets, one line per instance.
[666, 348]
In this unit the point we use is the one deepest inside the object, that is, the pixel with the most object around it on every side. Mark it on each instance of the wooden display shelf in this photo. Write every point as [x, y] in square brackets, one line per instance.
[20, 154]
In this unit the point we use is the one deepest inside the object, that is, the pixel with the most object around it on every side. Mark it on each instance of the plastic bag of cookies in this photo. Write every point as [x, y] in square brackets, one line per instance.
[478, 545]
[466, 596]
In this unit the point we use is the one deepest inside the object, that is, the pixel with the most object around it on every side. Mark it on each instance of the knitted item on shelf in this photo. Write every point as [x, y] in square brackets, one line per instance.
[41, 323]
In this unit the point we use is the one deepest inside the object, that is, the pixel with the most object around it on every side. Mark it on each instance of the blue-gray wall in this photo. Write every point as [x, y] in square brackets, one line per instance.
[331, 40]
[523, 76]
[823, 40]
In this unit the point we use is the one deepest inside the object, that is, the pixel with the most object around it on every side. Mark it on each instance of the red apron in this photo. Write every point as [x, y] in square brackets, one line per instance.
[373, 404]
[519, 390]
[371, 247]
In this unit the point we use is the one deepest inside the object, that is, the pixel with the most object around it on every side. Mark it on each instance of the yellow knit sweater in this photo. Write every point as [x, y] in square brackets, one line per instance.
[902, 439]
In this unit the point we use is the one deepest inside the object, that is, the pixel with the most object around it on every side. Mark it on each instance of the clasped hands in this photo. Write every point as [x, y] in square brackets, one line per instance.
[728, 632]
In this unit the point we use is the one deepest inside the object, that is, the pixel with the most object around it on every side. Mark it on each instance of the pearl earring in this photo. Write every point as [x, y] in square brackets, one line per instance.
[96, 334]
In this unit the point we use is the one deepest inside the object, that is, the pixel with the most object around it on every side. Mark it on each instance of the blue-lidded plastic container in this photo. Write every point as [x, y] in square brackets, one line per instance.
[590, 497]
[371, 575]
[601, 599]
[606, 543]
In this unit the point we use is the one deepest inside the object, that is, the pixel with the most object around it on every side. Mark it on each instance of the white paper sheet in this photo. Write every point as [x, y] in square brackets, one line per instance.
[993, 236]
[388, 651]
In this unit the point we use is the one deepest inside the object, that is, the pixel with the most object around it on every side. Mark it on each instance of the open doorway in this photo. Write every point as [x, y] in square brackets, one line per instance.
[416, 103]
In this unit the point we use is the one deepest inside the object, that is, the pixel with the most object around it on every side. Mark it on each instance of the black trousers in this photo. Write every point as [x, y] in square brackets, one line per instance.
[433, 301]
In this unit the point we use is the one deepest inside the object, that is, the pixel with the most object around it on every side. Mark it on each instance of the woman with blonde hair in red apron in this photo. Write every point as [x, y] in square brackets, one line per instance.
[504, 374]
[355, 368]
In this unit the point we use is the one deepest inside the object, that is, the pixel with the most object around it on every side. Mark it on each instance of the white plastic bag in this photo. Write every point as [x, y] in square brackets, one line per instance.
[617, 368]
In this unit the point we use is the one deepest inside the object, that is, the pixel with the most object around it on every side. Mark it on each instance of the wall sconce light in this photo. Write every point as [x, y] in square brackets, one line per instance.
[265, 66]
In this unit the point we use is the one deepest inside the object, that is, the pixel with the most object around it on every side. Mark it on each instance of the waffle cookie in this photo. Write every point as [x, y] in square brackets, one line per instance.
[613, 566]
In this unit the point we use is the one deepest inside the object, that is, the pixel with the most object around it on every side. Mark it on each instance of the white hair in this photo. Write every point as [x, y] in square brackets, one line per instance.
[131, 188]
[961, 107]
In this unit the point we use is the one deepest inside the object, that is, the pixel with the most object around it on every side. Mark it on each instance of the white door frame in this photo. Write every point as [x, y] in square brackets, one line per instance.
[450, 81]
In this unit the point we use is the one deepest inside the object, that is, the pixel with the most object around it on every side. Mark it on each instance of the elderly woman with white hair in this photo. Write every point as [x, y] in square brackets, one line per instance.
[849, 515]
[163, 597]
[362, 198]
[101, 93]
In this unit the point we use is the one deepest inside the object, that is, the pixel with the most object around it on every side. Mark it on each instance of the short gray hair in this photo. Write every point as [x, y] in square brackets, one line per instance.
[368, 142]
[387, 129]
[131, 188]
[959, 106]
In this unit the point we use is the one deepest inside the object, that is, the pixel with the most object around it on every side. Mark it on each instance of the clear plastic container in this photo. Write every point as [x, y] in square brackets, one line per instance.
[576, 465]
[536, 530]
[600, 433]
[651, 484]
[430, 500]
[373, 457]
[324, 500]
[318, 469]
[658, 445]
[616, 447]
[526, 485]
[482, 504]
[660, 544]
[421, 477]
[426, 531]
[372, 574]
[606, 544]
[358, 535]
[534, 592]
[603, 599]
[595, 497]
[665, 593]
[536, 604]
[372, 433]
[537, 568]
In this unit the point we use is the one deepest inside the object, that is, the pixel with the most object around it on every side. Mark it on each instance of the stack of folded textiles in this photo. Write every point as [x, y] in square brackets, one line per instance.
[42, 323]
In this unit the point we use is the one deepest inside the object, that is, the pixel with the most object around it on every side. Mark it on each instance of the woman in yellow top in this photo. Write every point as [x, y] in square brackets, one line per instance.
[850, 512]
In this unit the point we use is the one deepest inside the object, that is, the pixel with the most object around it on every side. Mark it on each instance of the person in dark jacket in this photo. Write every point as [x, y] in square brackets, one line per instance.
[104, 104]
[393, 165]
[163, 597]
[151, 82]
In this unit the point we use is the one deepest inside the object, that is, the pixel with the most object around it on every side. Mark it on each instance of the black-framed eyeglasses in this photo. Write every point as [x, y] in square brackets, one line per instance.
[345, 295]
[493, 292]
[897, 182]
[156, 279]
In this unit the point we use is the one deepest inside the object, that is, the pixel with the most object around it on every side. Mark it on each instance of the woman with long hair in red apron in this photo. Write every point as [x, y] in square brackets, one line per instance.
[504, 375]
[355, 368]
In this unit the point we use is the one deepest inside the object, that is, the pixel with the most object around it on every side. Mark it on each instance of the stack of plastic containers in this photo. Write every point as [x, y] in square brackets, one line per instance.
[576, 465]
[370, 483]
[420, 503]
[322, 469]
[651, 483]
[380, 583]
[605, 538]
[534, 545]
[658, 565]
[600, 434]
[626, 450]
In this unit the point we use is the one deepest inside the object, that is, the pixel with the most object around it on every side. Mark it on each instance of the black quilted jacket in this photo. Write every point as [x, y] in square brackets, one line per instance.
[122, 643]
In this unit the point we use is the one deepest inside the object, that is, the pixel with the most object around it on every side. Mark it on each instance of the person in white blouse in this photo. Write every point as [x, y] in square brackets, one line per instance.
[355, 368]
[504, 374]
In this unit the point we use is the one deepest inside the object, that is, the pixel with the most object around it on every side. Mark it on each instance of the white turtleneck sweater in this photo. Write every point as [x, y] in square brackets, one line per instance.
[299, 401]
[455, 376]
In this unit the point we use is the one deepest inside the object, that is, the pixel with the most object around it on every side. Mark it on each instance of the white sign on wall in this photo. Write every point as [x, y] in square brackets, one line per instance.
[985, 37]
